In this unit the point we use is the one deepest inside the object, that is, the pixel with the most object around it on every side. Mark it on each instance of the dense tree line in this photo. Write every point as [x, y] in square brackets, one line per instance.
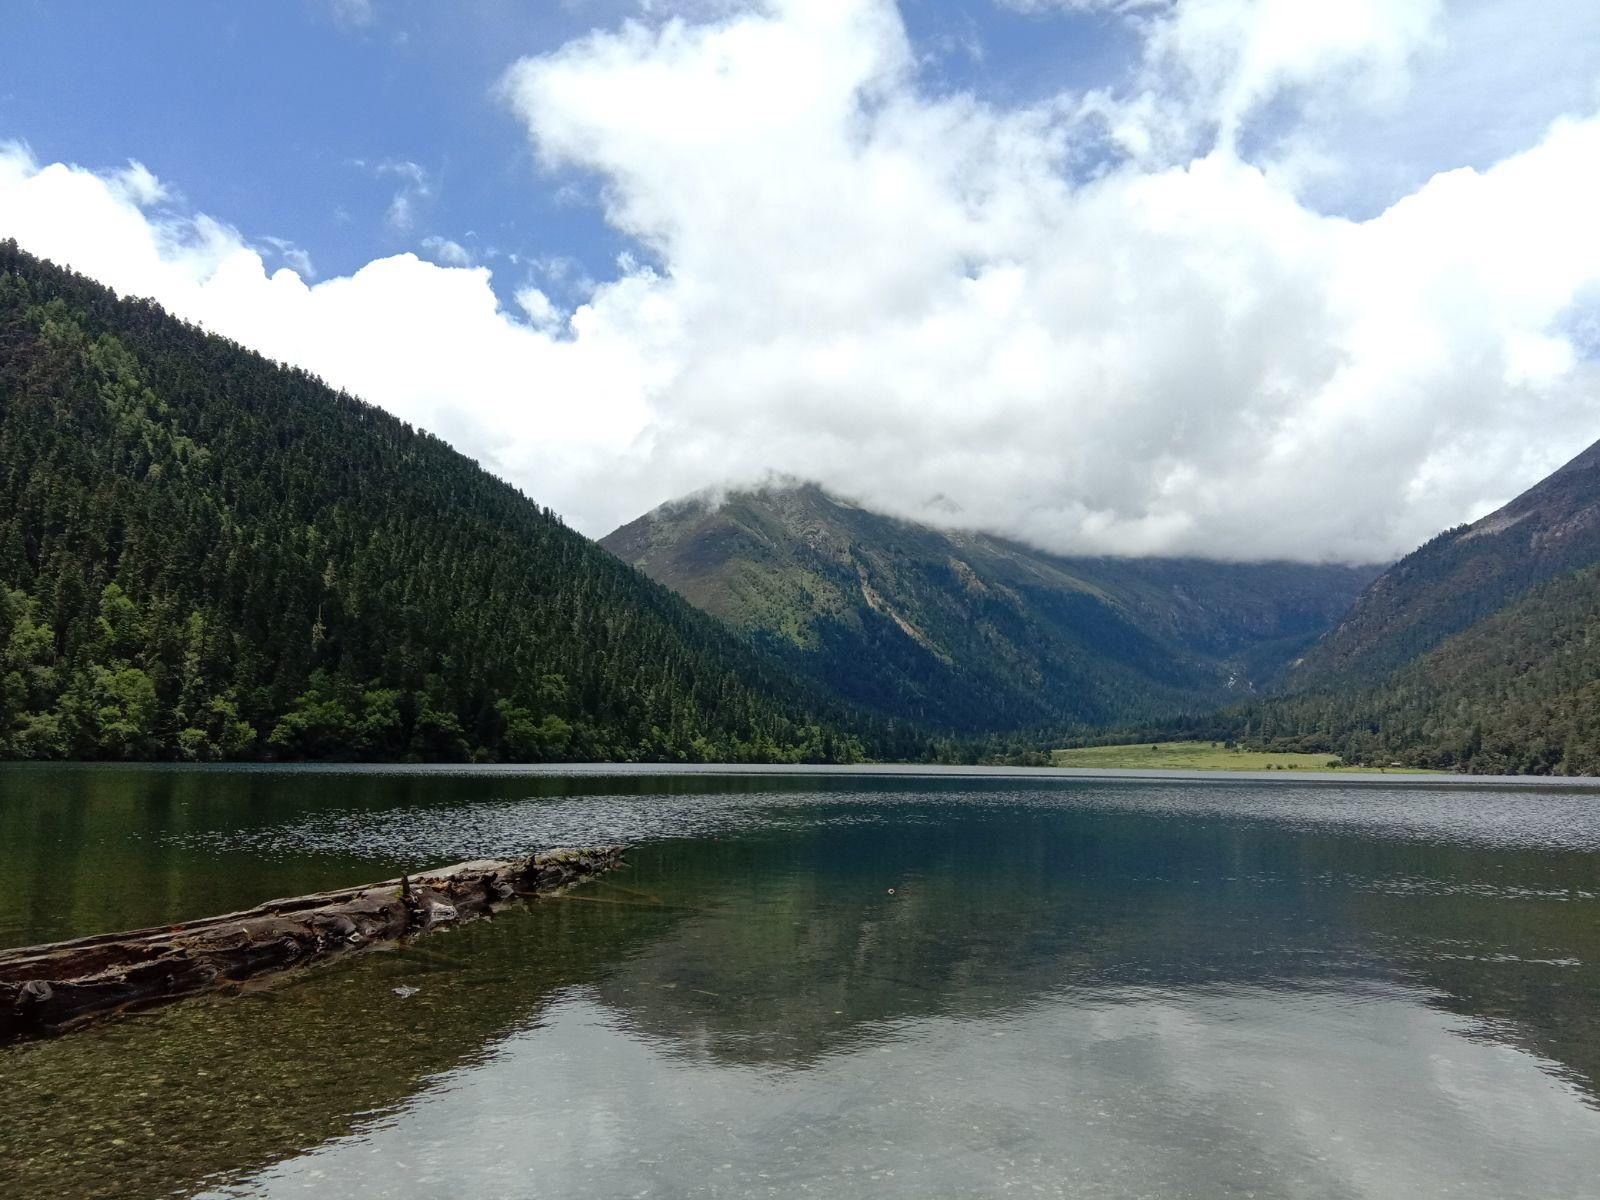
[1478, 652]
[1516, 693]
[205, 555]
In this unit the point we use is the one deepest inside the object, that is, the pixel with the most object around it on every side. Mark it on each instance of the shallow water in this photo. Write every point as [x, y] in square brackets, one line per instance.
[840, 984]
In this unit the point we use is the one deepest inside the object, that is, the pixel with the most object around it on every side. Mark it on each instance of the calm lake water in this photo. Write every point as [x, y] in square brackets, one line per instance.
[839, 985]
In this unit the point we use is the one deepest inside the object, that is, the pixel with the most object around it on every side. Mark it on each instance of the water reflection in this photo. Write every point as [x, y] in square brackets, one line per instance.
[156, 1105]
[1227, 1093]
[1089, 990]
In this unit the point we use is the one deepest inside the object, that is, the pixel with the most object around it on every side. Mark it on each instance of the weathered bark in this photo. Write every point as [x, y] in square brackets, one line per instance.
[65, 986]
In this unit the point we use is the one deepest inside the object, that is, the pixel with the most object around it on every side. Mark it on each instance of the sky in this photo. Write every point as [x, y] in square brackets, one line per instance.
[1236, 278]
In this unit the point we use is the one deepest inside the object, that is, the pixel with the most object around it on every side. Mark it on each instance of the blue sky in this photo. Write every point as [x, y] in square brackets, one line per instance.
[1247, 278]
[283, 117]
[302, 121]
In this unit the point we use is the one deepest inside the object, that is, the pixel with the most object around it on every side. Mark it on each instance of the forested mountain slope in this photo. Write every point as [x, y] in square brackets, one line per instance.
[971, 632]
[1516, 693]
[206, 555]
[1479, 652]
[1462, 576]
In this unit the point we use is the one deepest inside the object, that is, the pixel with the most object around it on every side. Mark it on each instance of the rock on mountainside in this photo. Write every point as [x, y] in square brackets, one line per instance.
[969, 631]
[1462, 576]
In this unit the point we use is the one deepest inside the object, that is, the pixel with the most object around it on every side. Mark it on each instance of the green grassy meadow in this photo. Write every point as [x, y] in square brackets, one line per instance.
[1201, 756]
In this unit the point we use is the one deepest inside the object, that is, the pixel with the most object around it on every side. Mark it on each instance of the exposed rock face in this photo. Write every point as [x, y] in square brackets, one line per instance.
[67, 985]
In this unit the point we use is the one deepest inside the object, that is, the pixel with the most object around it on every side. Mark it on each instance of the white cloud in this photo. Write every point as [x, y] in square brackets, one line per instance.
[540, 309]
[1214, 72]
[447, 253]
[1102, 323]
[354, 14]
[138, 184]
[1487, 84]
[295, 257]
[415, 190]
[905, 296]
[427, 342]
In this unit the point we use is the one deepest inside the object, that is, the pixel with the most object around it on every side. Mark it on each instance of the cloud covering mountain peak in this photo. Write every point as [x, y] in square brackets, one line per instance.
[1114, 320]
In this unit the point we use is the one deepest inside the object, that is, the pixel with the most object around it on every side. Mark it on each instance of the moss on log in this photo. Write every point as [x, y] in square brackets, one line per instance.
[64, 986]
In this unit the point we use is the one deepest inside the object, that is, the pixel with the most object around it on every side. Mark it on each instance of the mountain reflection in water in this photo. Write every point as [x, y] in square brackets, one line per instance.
[1074, 988]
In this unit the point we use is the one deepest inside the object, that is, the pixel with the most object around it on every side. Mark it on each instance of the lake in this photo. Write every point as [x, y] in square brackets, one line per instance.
[835, 984]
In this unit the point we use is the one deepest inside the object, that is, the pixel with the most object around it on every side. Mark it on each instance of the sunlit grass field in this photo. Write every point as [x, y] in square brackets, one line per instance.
[1201, 756]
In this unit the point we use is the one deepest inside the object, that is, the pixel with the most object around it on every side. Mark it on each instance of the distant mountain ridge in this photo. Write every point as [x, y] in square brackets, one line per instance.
[970, 631]
[1478, 652]
[1462, 576]
[1516, 693]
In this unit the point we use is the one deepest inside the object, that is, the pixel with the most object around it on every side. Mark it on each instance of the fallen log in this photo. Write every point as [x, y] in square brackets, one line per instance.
[64, 986]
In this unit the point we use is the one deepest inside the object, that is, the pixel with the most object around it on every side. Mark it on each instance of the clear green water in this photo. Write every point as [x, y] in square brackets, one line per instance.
[1076, 987]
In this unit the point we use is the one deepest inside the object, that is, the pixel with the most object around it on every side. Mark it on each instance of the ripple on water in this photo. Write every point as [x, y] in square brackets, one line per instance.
[514, 824]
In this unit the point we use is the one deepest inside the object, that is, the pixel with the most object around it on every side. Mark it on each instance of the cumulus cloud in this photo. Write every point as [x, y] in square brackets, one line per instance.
[415, 190]
[1108, 322]
[447, 253]
[138, 184]
[1221, 60]
[910, 297]
[429, 343]
[294, 256]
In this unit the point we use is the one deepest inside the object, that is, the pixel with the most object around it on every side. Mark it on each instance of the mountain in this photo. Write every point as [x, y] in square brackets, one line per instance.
[1516, 693]
[1479, 652]
[207, 555]
[968, 631]
[1462, 576]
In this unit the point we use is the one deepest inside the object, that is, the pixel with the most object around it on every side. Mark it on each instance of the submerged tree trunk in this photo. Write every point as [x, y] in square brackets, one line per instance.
[65, 986]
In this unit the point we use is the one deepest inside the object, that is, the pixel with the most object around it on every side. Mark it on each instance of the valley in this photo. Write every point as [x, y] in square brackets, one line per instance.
[970, 632]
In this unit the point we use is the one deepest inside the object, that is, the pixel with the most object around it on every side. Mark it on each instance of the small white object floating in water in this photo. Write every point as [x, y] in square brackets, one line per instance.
[405, 993]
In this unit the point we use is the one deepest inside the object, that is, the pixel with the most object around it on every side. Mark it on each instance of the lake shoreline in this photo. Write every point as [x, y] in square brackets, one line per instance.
[1384, 777]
